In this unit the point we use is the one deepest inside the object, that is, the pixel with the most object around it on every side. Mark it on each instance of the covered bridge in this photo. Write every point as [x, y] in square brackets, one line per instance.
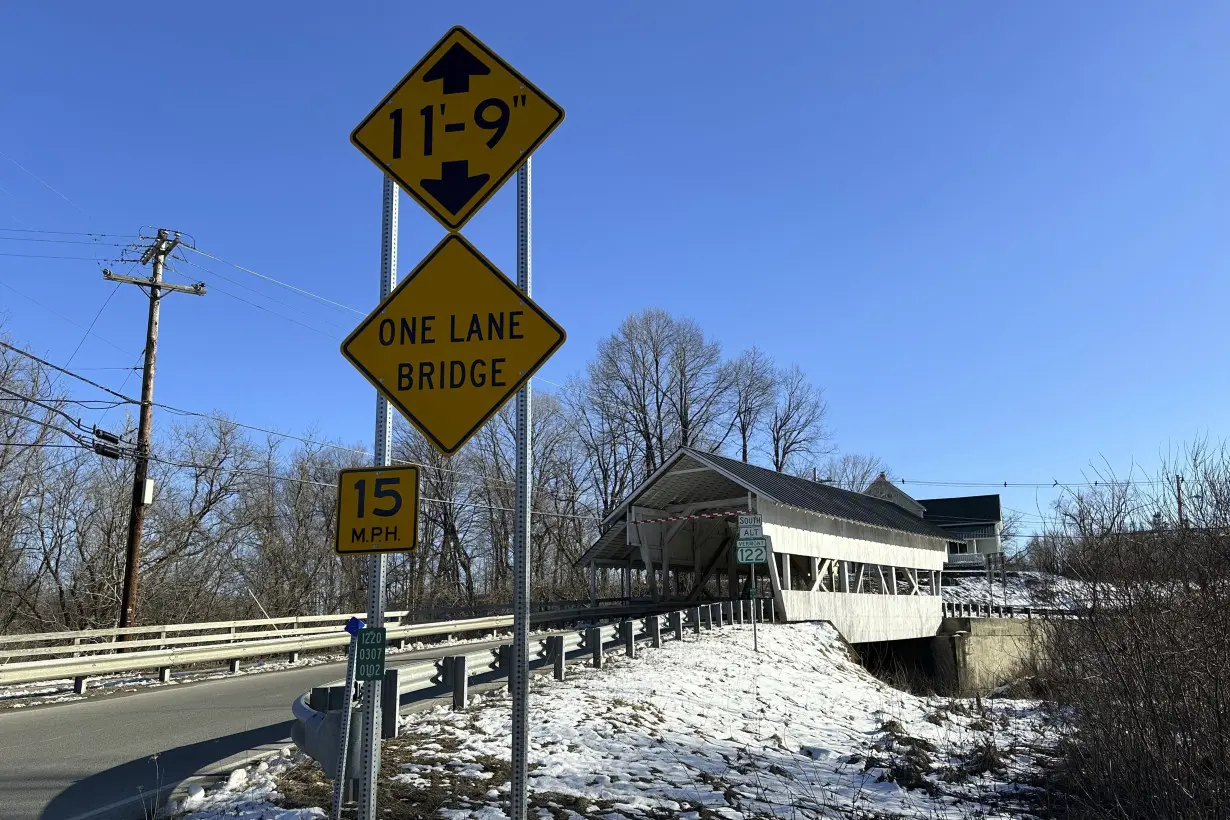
[866, 564]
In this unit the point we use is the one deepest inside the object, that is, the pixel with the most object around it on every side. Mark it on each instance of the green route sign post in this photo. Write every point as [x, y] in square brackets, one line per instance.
[369, 665]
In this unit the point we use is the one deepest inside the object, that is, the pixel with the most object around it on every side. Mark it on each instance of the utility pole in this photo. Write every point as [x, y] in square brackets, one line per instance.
[142, 489]
[1178, 488]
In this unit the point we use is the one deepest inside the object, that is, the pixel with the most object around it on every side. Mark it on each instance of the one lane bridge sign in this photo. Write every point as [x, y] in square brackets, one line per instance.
[456, 127]
[452, 343]
[377, 510]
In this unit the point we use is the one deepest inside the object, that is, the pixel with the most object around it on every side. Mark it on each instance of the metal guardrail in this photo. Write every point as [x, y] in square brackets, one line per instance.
[985, 610]
[105, 639]
[232, 648]
[318, 711]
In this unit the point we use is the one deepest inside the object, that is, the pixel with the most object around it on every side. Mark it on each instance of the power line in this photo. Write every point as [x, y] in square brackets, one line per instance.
[61, 233]
[93, 242]
[56, 313]
[46, 424]
[44, 256]
[225, 278]
[331, 485]
[1048, 485]
[41, 181]
[93, 322]
[48, 446]
[278, 282]
[67, 372]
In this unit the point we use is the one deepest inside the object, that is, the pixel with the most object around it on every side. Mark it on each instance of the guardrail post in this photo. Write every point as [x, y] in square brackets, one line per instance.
[707, 613]
[696, 621]
[677, 624]
[629, 630]
[773, 610]
[164, 674]
[737, 606]
[505, 661]
[655, 631]
[318, 698]
[715, 615]
[461, 683]
[390, 702]
[1029, 612]
[79, 684]
[555, 649]
[292, 657]
[593, 637]
[233, 665]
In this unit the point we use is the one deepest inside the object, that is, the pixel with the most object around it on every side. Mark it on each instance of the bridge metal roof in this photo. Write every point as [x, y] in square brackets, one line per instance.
[690, 476]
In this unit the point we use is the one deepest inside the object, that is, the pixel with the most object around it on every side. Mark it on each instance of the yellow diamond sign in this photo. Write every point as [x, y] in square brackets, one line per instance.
[457, 127]
[452, 343]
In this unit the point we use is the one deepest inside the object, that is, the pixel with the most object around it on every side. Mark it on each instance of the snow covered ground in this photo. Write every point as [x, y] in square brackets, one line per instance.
[1036, 589]
[702, 729]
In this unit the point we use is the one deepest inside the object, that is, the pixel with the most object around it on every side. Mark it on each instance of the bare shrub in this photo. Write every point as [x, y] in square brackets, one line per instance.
[1145, 668]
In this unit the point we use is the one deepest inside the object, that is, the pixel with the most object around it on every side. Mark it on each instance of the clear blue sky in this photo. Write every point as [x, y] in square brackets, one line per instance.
[997, 234]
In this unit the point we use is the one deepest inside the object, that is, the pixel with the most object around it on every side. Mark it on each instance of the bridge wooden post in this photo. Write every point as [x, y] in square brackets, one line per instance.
[677, 624]
[655, 631]
[629, 629]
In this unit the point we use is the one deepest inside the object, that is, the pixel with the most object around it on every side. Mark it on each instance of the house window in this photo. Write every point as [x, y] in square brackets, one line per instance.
[958, 547]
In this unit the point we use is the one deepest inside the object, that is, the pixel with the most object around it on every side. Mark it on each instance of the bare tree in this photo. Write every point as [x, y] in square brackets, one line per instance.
[753, 390]
[698, 386]
[631, 375]
[853, 471]
[796, 425]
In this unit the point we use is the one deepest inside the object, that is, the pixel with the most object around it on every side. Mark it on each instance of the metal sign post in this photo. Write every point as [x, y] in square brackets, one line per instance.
[521, 535]
[339, 779]
[370, 748]
[451, 133]
[755, 612]
[752, 548]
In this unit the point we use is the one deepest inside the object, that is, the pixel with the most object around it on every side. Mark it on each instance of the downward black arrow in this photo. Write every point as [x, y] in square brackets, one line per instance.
[455, 187]
[455, 69]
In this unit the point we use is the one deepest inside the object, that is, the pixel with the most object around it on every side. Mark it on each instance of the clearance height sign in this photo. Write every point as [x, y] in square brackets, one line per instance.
[452, 343]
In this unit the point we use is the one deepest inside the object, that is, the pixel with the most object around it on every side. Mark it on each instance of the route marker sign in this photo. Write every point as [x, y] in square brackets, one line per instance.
[457, 127]
[452, 343]
[369, 663]
[377, 510]
[752, 551]
[751, 526]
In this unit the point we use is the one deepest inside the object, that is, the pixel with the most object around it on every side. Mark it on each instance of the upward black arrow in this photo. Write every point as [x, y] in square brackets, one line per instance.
[455, 187]
[455, 69]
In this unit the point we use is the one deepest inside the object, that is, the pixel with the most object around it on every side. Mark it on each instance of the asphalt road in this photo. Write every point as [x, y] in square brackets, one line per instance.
[96, 758]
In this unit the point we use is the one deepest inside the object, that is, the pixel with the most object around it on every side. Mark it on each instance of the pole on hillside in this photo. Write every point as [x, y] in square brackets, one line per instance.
[142, 488]
[1178, 488]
